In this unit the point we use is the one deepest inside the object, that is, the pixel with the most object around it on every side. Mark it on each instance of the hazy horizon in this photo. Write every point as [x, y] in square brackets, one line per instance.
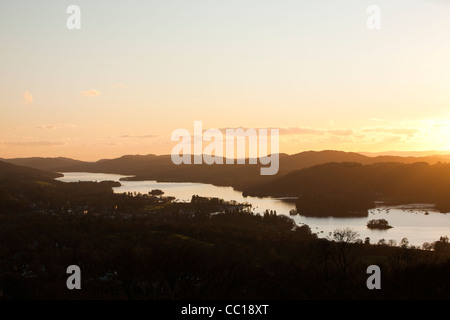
[424, 153]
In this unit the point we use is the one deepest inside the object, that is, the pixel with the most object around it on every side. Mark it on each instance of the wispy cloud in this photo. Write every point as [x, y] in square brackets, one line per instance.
[32, 143]
[297, 131]
[301, 131]
[27, 97]
[345, 132]
[440, 125]
[46, 126]
[399, 131]
[55, 126]
[311, 131]
[90, 93]
[147, 136]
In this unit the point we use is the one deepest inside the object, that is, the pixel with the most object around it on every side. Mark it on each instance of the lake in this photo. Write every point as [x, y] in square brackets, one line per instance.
[408, 221]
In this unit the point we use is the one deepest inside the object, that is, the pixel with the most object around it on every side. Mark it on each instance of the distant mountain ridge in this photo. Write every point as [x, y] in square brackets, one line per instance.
[428, 153]
[132, 164]
[241, 177]
[292, 162]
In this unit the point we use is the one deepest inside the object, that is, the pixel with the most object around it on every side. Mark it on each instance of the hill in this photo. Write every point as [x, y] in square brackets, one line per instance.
[48, 164]
[10, 171]
[241, 177]
[335, 189]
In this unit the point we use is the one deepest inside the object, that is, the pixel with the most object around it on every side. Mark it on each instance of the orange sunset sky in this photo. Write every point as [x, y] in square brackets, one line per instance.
[136, 71]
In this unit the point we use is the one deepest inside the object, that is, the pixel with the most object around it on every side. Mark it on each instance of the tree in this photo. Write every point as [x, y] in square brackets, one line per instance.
[345, 235]
[427, 246]
[404, 243]
[156, 192]
[392, 243]
[342, 259]
[442, 245]
[401, 257]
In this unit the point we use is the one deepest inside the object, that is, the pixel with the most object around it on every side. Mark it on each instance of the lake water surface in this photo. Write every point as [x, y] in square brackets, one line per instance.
[407, 221]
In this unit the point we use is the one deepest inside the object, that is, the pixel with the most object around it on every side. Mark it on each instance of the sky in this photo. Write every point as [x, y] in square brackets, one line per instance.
[136, 71]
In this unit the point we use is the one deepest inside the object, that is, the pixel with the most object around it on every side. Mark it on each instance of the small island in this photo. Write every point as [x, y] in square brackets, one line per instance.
[156, 192]
[378, 224]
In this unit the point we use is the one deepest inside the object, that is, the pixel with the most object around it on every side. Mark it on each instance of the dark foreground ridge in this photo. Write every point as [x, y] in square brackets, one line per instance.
[134, 246]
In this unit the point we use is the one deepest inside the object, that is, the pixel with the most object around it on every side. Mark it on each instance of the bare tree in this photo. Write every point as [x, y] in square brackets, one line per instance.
[392, 243]
[400, 258]
[404, 243]
[343, 237]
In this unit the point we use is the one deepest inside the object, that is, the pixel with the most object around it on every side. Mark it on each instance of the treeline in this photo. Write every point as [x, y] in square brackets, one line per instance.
[334, 205]
[226, 256]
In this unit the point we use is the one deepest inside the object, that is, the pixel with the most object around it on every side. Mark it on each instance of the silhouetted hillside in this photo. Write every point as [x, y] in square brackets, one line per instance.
[20, 173]
[49, 164]
[354, 186]
[241, 177]
[429, 153]
[23, 189]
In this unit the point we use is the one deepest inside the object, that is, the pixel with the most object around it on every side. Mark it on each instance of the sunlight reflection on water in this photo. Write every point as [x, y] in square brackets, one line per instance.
[409, 221]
